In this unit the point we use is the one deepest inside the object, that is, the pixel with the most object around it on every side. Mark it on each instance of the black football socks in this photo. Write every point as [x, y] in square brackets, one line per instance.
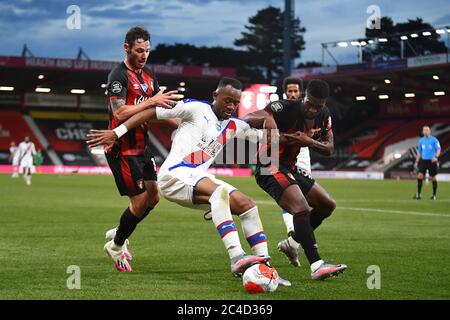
[128, 223]
[304, 235]
[434, 188]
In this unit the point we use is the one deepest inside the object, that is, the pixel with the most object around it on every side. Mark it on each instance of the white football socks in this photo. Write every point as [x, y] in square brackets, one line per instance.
[221, 216]
[288, 220]
[316, 265]
[253, 231]
[292, 243]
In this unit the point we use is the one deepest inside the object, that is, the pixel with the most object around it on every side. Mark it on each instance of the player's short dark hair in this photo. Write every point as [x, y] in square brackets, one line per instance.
[292, 80]
[318, 89]
[136, 33]
[229, 82]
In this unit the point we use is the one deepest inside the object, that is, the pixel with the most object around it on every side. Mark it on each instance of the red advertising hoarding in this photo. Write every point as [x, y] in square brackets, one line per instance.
[414, 108]
[92, 65]
[255, 98]
[399, 109]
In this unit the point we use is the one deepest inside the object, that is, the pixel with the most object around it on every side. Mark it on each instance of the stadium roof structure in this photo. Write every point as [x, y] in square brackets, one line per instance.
[423, 76]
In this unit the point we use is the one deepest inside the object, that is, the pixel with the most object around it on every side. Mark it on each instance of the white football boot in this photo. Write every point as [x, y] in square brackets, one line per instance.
[117, 257]
[111, 234]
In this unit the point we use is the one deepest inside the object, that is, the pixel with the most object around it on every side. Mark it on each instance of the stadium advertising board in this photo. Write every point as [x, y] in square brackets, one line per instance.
[399, 109]
[435, 107]
[106, 66]
[50, 100]
[314, 71]
[253, 99]
[430, 107]
[427, 60]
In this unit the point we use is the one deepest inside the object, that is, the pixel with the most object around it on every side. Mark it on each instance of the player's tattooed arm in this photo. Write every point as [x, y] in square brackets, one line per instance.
[325, 146]
[116, 103]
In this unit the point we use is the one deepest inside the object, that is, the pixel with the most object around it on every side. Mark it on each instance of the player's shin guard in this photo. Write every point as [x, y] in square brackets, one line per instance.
[222, 219]
[288, 220]
[128, 223]
[419, 186]
[304, 235]
[253, 231]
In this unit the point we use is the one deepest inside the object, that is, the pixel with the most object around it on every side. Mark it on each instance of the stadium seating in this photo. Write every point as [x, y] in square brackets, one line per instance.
[13, 127]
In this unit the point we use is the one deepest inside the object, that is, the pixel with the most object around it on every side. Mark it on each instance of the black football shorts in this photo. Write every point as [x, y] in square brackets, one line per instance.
[130, 172]
[281, 178]
[425, 165]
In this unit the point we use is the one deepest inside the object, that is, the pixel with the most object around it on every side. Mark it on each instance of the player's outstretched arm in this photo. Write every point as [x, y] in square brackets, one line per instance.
[101, 138]
[123, 111]
[109, 137]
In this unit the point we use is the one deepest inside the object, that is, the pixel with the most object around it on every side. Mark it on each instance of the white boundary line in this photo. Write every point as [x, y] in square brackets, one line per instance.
[411, 213]
[394, 201]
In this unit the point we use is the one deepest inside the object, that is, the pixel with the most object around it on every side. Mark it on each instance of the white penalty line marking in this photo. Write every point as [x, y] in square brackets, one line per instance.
[393, 201]
[411, 213]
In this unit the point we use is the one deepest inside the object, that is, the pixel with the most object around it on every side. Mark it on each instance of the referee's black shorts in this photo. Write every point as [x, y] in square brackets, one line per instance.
[425, 165]
[281, 178]
[130, 172]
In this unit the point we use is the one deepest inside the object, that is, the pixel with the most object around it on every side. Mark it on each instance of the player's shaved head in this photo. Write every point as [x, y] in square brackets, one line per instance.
[318, 89]
[227, 97]
[234, 83]
[316, 96]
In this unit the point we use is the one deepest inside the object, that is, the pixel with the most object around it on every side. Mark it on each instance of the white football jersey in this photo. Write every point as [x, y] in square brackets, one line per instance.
[201, 135]
[304, 160]
[26, 151]
[12, 151]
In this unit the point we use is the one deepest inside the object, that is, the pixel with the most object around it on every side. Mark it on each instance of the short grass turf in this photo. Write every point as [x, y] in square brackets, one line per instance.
[60, 221]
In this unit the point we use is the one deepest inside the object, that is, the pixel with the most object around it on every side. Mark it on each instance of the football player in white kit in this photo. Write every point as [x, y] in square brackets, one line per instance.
[27, 151]
[14, 159]
[183, 178]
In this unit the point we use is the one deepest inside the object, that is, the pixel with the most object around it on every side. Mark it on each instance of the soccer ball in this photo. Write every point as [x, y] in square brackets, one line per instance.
[260, 278]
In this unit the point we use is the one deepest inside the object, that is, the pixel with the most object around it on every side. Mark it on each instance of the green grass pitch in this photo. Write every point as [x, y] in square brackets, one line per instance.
[61, 221]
